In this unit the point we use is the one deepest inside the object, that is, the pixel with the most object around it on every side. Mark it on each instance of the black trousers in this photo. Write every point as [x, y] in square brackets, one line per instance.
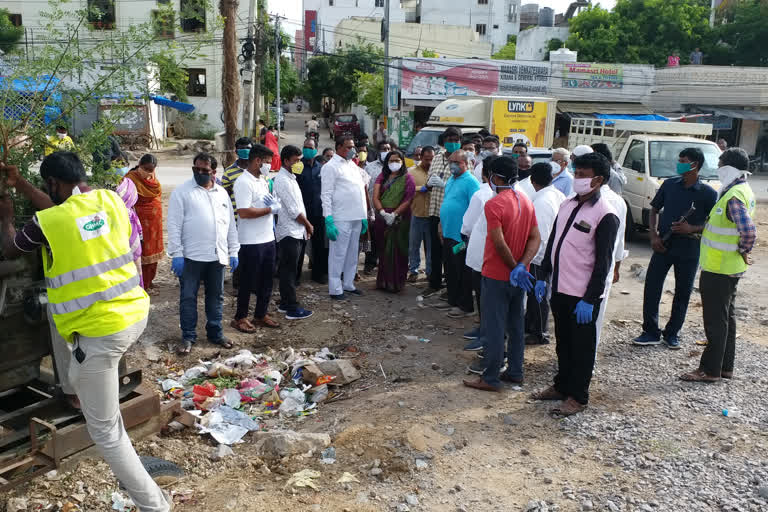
[290, 248]
[372, 256]
[319, 251]
[436, 277]
[256, 264]
[576, 346]
[458, 276]
[718, 302]
[537, 313]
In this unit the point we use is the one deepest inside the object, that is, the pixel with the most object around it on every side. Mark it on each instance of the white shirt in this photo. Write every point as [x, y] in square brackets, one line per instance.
[527, 187]
[619, 254]
[479, 232]
[475, 208]
[546, 204]
[287, 190]
[477, 172]
[342, 190]
[201, 224]
[250, 192]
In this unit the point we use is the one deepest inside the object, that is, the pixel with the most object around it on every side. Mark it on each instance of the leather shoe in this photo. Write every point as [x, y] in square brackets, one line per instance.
[267, 322]
[548, 394]
[481, 385]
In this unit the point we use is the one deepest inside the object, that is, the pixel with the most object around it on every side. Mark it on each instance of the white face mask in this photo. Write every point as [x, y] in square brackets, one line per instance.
[728, 174]
[383, 155]
[61, 135]
[582, 186]
[395, 166]
[265, 168]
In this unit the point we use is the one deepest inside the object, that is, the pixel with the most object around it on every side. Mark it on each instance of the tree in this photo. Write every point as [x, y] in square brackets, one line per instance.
[553, 44]
[740, 39]
[289, 81]
[507, 52]
[428, 54]
[9, 34]
[370, 92]
[643, 32]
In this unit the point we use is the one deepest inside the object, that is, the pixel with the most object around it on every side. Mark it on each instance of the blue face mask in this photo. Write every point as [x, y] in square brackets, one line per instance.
[498, 188]
[243, 153]
[455, 168]
[452, 146]
[683, 168]
[309, 153]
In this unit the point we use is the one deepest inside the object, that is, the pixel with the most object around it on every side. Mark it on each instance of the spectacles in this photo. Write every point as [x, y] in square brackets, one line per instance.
[202, 170]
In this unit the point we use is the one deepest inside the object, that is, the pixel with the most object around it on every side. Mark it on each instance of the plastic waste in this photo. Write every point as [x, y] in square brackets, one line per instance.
[291, 407]
[193, 373]
[294, 393]
[122, 503]
[232, 398]
[320, 394]
[244, 359]
[328, 455]
[169, 384]
[731, 412]
[220, 370]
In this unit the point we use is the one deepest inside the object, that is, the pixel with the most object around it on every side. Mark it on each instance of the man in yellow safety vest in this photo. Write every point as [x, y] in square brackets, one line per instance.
[94, 299]
[726, 242]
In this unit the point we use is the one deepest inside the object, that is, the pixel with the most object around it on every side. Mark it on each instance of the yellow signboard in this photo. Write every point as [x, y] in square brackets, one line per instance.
[520, 121]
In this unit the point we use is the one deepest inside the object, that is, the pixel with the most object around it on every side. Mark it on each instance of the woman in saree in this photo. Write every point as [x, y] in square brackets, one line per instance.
[127, 192]
[271, 142]
[392, 196]
[149, 208]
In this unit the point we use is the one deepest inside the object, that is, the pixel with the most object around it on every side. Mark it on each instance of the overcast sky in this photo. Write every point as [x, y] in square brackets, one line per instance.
[291, 9]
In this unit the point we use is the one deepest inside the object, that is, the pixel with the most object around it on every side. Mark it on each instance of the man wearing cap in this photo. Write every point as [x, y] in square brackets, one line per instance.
[726, 243]
[94, 300]
[511, 244]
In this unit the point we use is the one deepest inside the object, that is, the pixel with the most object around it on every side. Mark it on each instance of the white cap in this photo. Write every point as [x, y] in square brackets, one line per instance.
[582, 150]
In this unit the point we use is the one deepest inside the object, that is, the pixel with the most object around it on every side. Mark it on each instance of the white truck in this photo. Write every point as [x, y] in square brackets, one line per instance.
[647, 152]
[526, 119]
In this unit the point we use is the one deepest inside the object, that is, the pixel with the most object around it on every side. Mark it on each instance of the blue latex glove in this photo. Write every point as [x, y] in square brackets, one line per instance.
[233, 263]
[331, 231]
[177, 266]
[583, 312]
[540, 290]
[521, 278]
[365, 226]
[423, 189]
[272, 203]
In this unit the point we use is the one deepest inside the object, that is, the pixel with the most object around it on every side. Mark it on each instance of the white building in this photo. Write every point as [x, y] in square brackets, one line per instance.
[532, 42]
[204, 88]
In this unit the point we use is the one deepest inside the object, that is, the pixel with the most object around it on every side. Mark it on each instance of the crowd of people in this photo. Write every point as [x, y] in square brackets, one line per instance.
[506, 241]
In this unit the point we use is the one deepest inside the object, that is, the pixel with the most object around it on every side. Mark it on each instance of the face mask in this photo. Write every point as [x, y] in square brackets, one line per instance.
[455, 168]
[202, 179]
[363, 156]
[352, 153]
[498, 188]
[265, 168]
[383, 155]
[297, 168]
[243, 153]
[582, 186]
[485, 154]
[61, 135]
[515, 156]
[683, 168]
[728, 175]
[452, 146]
[309, 153]
[395, 166]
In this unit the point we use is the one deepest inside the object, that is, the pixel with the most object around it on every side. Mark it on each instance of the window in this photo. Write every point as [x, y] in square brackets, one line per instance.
[192, 14]
[636, 156]
[480, 28]
[163, 24]
[330, 3]
[482, 2]
[101, 14]
[15, 19]
[496, 27]
[379, 3]
[196, 85]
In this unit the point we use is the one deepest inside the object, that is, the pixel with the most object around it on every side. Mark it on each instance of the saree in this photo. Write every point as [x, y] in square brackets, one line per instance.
[271, 143]
[149, 208]
[392, 241]
[127, 192]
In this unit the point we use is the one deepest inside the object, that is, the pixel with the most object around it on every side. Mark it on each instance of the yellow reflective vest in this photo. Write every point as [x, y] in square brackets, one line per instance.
[92, 281]
[720, 238]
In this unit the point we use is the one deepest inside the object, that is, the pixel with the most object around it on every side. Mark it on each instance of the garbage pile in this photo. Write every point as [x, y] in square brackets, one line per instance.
[230, 396]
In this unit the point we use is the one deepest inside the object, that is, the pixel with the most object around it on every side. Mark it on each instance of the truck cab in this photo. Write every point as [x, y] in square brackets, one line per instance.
[647, 152]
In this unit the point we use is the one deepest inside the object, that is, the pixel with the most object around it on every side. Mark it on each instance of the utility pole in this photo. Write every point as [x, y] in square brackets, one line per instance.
[385, 38]
[278, 106]
[713, 8]
[249, 80]
[230, 79]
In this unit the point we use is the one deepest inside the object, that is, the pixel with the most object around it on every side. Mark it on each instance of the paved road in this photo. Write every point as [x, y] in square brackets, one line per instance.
[173, 171]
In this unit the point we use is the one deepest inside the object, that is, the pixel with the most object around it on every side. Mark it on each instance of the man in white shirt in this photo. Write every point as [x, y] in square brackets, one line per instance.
[292, 231]
[202, 239]
[373, 169]
[256, 208]
[343, 196]
[490, 148]
[546, 203]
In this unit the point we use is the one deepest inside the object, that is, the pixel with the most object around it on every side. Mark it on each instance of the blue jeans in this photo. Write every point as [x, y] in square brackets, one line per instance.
[683, 255]
[502, 312]
[211, 274]
[419, 232]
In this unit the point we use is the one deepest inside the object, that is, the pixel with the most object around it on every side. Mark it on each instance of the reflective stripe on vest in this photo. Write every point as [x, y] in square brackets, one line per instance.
[79, 303]
[89, 271]
[720, 246]
[720, 237]
[721, 231]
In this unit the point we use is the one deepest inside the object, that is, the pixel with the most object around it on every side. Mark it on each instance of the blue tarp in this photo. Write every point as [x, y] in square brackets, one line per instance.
[633, 117]
[29, 87]
[178, 105]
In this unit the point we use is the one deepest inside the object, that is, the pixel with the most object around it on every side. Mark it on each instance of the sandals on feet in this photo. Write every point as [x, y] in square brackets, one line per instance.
[223, 343]
[698, 376]
[185, 347]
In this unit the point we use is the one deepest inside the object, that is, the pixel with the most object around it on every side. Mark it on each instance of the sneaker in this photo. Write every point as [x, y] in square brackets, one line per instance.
[429, 292]
[477, 366]
[443, 306]
[673, 342]
[298, 314]
[281, 309]
[474, 346]
[340, 296]
[647, 339]
[473, 334]
[460, 313]
[357, 292]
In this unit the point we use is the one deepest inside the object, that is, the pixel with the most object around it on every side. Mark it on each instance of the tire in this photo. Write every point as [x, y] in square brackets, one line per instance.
[162, 471]
[630, 229]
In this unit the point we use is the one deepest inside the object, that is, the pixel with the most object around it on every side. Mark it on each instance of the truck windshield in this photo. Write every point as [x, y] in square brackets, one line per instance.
[424, 138]
[664, 157]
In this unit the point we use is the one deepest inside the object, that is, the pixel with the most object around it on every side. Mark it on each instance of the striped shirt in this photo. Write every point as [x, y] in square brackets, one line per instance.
[440, 167]
[231, 174]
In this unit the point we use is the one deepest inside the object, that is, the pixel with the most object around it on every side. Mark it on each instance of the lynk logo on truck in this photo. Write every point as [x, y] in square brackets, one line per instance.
[525, 107]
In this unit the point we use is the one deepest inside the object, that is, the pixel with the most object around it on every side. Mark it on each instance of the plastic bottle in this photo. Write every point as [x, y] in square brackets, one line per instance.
[731, 412]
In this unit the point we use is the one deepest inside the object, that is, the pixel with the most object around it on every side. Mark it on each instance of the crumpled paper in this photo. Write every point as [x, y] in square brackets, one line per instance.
[304, 478]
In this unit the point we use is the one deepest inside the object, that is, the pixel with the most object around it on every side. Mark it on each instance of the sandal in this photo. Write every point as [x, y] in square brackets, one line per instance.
[698, 376]
[548, 394]
[222, 342]
[185, 347]
[568, 408]
[243, 325]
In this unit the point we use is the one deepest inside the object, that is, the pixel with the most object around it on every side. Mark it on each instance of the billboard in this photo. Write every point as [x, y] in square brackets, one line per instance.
[436, 79]
[586, 75]
[520, 121]
[310, 30]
